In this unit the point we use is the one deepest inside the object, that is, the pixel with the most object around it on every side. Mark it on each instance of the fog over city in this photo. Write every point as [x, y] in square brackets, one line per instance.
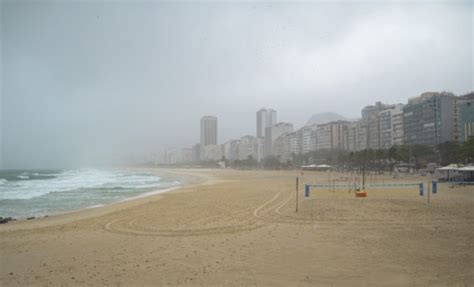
[88, 83]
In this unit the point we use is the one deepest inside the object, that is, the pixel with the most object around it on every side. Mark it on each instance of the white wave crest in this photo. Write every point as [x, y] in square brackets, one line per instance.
[76, 181]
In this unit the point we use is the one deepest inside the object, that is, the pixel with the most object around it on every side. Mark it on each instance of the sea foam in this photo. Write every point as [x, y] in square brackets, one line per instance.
[62, 191]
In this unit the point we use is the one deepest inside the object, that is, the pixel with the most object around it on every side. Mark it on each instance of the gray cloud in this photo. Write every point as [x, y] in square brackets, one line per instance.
[84, 82]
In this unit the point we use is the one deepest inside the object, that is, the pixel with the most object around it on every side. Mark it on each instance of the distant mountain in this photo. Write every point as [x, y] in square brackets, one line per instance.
[322, 118]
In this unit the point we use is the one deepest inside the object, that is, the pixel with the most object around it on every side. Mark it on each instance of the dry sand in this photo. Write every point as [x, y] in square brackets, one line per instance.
[240, 228]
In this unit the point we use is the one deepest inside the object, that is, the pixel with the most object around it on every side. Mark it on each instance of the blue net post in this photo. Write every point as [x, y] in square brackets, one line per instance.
[434, 187]
[421, 189]
[306, 190]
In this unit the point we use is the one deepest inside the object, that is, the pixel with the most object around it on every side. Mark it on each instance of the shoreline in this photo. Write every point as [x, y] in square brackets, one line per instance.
[186, 178]
[100, 205]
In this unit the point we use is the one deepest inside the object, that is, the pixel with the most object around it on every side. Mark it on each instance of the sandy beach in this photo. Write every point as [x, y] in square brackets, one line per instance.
[240, 228]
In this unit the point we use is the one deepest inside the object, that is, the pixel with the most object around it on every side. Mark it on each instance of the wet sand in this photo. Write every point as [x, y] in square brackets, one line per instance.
[240, 228]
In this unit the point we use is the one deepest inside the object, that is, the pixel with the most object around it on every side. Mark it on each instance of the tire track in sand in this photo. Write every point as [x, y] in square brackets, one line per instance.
[130, 226]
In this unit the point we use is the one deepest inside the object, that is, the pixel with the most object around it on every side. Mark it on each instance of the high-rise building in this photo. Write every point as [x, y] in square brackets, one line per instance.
[249, 147]
[294, 143]
[397, 126]
[178, 156]
[333, 135]
[281, 147]
[271, 117]
[324, 136]
[352, 136]
[261, 122]
[362, 136]
[385, 129]
[390, 126]
[260, 149]
[357, 135]
[186, 155]
[265, 118]
[430, 119]
[208, 131]
[196, 152]
[371, 121]
[230, 149]
[243, 148]
[212, 153]
[297, 142]
[308, 138]
[272, 133]
[465, 110]
[373, 140]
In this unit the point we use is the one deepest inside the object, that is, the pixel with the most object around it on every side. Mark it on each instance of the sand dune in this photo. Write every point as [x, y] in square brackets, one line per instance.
[240, 228]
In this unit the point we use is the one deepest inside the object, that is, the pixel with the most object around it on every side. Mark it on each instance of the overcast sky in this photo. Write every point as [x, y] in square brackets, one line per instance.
[85, 82]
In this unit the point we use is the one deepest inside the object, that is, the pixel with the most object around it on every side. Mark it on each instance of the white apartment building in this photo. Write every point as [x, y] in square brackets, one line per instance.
[272, 133]
[385, 129]
[249, 146]
[294, 143]
[373, 140]
[397, 126]
[176, 156]
[352, 136]
[357, 133]
[362, 136]
[332, 135]
[260, 149]
[323, 136]
[281, 148]
[230, 149]
[243, 148]
[308, 138]
[391, 126]
[211, 153]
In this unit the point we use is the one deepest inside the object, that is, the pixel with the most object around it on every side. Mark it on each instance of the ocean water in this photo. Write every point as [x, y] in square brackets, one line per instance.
[26, 193]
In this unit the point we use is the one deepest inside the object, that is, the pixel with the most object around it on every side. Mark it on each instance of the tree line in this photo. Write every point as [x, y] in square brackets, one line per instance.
[372, 159]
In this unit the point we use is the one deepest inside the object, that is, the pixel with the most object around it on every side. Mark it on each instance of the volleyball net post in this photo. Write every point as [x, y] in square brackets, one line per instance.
[297, 179]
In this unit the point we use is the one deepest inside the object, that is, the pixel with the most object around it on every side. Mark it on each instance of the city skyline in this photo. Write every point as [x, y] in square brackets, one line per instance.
[429, 119]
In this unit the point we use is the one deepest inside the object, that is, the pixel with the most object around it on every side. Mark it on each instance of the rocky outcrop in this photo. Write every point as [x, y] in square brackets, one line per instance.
[5, 220]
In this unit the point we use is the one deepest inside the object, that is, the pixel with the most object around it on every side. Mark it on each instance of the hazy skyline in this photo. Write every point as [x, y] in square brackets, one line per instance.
[86, 82]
